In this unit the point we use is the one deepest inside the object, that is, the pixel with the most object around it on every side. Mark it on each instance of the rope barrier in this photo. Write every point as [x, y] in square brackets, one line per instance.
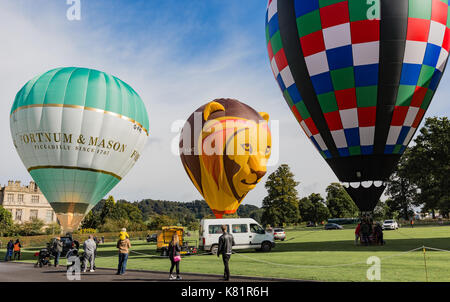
[322, 266]
[435, 249]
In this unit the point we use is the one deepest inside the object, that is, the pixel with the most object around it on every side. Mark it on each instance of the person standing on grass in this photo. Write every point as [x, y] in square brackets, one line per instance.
[123, 245]
[89, 248]
[378, 230]
[226, 242]
[17, 247]
[57, 249]
[357, 233]
[174, 256]
[365, 232]
[9, 250]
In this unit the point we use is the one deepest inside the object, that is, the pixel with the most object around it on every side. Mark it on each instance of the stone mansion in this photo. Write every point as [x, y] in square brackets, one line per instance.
[26, 202]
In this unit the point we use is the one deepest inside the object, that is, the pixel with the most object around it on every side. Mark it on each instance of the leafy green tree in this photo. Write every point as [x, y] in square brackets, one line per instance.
[381, 211]
[158, 221]
[91, 221]
[6, 221]
[339, 203]
[280, 206]
[428, 165]
[53, 229]
[193, 226]
[108, 210]
[31, 228]
[401, 190]
[313, 208]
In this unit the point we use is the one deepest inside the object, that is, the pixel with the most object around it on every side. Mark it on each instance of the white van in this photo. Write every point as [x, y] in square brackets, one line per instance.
[247, 234]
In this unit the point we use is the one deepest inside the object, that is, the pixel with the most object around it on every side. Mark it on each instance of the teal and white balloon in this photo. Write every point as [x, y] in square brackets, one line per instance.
[78, 132]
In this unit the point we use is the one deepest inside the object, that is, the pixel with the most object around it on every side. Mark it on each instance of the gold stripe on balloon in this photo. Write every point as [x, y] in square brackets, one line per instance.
[75, 168]
[83, 108]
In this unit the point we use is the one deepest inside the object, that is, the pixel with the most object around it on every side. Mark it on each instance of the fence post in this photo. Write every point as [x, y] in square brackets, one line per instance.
[425, 263]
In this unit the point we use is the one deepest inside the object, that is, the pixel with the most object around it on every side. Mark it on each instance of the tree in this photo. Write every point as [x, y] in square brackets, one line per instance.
[401, 190]
[53, 229]
[280, 206]
[381, 211]
[113, 216]
[313, 208]
[107, 210]
[428, 165]
[31, 228]
[158, 221]
[6, 221]
[339, 203]
[91, 221]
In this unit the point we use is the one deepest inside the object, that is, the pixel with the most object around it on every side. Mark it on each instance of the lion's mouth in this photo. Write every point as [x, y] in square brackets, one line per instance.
[249, 184]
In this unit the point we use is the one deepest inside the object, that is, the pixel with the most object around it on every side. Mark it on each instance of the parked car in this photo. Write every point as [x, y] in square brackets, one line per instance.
[247, 234]
[311, 224]
[333, 226]
[390, 225]
[67, 242]
[279, 234]
[152, 238]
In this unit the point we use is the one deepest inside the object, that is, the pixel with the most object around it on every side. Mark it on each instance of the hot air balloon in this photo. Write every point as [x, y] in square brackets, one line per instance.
[224, 148]
[359, 76]
[78, 132]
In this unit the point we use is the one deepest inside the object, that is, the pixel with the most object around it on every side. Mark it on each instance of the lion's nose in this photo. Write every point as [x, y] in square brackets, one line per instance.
[259, 174]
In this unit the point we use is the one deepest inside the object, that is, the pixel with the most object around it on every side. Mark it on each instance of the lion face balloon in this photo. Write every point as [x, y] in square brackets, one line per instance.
[224, 148]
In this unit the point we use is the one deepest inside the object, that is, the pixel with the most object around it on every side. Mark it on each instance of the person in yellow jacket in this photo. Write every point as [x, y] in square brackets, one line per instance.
[17, 247]
[123, 234]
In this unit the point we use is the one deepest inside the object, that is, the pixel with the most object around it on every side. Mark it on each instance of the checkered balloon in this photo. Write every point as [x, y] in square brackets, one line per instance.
[359, 76]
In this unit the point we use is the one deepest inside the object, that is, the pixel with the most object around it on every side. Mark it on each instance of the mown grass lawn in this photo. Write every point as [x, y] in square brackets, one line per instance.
[310, 254]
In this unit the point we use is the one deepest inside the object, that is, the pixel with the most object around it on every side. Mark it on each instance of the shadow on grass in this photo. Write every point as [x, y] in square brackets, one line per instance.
[399, 245]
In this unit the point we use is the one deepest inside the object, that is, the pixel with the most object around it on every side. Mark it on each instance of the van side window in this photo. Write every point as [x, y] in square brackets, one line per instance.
[256, 229]
[215, 229]
[239, 228]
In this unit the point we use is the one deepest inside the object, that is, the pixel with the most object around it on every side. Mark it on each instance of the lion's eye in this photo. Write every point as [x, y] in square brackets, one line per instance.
[268, 149]
[247, 147]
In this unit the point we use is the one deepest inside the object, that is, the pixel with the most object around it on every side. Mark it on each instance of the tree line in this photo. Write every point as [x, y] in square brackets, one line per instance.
[150, 214]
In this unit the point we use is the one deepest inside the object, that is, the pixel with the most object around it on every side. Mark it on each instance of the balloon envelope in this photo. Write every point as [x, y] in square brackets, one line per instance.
[78, 132]
[359, 77]
[224, 148]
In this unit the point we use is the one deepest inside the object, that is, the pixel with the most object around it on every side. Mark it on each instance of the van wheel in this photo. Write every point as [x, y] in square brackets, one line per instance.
[266, 246]
[213, 249]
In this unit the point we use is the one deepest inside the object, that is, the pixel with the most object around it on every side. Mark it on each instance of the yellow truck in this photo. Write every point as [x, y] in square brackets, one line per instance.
[164, 236]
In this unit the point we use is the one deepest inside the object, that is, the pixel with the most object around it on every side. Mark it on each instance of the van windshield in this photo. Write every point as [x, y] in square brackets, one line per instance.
[254, 228]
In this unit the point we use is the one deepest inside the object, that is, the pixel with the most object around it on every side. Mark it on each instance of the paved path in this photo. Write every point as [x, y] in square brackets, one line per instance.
[26, 272]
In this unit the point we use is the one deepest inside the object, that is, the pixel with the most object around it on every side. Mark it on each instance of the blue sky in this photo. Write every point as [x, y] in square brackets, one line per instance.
[178, 55]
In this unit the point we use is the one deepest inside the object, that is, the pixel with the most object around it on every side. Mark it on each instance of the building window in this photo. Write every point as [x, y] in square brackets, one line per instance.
[49, 216]
[35, 199]
[33, 214]
[20, 198]
[10, 198]
[18, 215]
